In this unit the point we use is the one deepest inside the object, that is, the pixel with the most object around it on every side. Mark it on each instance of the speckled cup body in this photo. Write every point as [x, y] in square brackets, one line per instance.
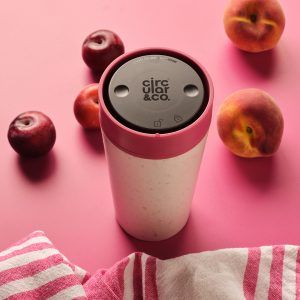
[153, 175]
[152, 198]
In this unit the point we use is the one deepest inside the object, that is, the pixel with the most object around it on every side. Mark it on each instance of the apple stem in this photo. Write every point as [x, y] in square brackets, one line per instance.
[99, 40]
[27, 122]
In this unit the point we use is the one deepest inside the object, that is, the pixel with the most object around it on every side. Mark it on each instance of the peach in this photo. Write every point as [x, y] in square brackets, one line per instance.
[254, 25]
[250, 123]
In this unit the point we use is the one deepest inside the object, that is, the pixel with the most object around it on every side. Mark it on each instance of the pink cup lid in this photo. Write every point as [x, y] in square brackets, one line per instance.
[155, 103]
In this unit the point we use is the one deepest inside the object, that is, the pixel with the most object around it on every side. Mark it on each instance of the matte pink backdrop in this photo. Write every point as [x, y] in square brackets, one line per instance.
[237, 203]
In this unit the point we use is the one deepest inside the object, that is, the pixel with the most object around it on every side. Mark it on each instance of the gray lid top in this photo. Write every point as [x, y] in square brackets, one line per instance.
[156, 93]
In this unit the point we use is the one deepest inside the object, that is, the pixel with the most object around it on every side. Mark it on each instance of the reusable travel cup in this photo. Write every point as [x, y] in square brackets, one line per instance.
[155, 112]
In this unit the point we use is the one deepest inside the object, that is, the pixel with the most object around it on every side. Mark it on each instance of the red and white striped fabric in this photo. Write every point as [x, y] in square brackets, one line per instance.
[34, 269]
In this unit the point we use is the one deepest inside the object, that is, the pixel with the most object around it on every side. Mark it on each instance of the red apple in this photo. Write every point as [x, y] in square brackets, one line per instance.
[100, 48]
[31, 134]
[254, 25]
[250, 123]
[86, 107]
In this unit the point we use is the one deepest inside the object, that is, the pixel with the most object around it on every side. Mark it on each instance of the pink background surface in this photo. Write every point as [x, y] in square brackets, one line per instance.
[237, 202]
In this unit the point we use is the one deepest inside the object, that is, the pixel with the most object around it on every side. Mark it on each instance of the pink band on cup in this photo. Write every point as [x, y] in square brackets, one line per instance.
[157, 145]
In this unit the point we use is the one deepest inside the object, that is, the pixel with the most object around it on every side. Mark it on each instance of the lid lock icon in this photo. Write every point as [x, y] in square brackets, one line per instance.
[158, 123]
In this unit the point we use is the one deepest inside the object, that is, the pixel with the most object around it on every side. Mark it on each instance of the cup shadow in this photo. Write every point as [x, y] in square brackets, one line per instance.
[263, 63]
[184, 242]
[37, 169]
[92, 139]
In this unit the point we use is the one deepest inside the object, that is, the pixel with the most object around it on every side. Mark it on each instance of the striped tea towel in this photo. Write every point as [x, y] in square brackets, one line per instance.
[269, 273]
[34, 269]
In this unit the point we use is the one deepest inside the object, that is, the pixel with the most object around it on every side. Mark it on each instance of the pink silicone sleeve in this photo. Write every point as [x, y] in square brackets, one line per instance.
[154, 146]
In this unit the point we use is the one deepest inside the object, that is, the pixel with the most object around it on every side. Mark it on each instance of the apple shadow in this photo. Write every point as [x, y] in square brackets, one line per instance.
[92, 139]
[38, 169]
[92, 76]
[262, 63]
[184, 242]
[260, 171]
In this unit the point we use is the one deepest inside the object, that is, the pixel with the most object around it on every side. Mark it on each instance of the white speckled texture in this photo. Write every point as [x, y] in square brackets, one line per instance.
[152, 197]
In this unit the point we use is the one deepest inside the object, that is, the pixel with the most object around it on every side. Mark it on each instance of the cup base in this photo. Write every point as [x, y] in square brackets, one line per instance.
[152, 236]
